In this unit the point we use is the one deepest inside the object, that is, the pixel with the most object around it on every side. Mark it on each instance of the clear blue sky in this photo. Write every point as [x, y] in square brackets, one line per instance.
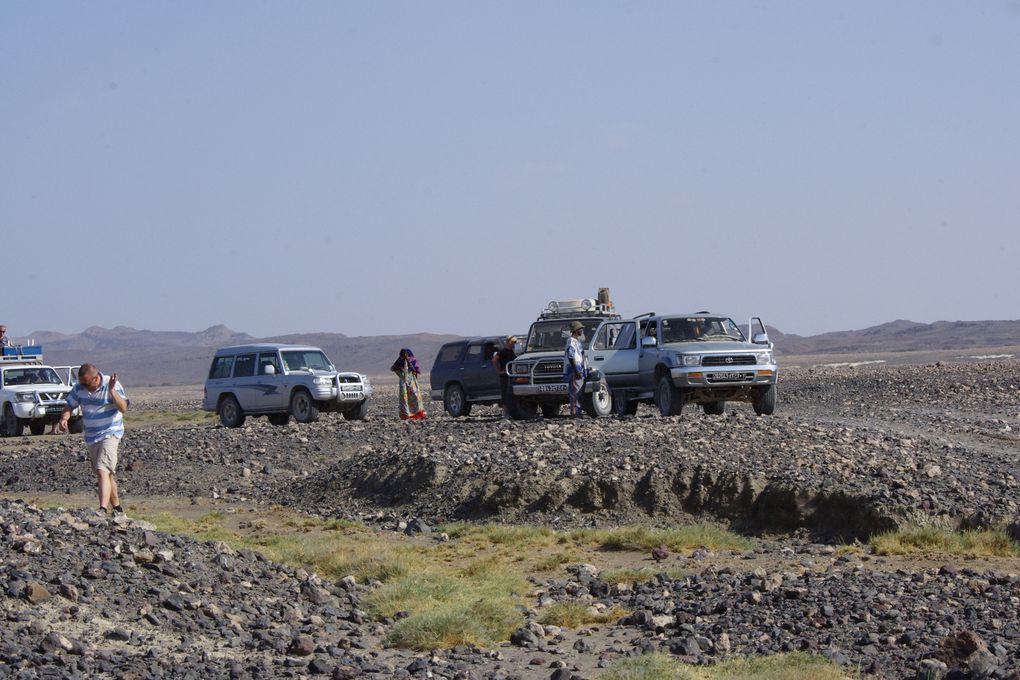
[390, 167]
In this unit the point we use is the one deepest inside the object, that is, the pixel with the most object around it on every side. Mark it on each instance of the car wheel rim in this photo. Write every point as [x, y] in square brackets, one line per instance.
[455, 401]
[602, 397]
[301, 406]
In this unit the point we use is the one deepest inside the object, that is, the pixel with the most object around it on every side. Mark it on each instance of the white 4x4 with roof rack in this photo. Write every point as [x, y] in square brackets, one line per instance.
[31, 393]
[536, 375]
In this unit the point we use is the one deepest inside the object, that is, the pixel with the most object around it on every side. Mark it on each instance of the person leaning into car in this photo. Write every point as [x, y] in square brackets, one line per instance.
[103, 404]
[500, 360]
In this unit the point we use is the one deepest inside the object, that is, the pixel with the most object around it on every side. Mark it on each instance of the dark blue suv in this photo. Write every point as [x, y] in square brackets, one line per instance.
[463, 374]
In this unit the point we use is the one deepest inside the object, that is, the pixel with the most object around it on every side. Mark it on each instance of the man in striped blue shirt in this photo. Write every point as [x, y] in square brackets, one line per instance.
[103, 404]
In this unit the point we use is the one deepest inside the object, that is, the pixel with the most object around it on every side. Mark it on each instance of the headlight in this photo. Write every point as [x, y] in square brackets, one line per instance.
[764, 357]
[521, 369]
[26, 396]
[691, 359]
[322, 381]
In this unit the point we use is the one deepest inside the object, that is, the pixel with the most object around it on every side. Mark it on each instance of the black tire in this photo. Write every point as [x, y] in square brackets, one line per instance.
[455, 401]
[76, 426]
[37, 428]
[303, 407]
[599, 402]
[765, 401]
[12, 424]
[230, 411]
[359, 412]
[279, 419]
[550, 409]
[521, 410]
[623, 406]
[668, 397]
[714, 408]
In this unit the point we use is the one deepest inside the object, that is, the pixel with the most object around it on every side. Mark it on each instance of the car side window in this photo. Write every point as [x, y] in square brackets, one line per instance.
[269, 359]
[651, 330]
[627, 337]
[449, 353]
[221, 368]
[244, 366]
[474, 353]
[601, 341]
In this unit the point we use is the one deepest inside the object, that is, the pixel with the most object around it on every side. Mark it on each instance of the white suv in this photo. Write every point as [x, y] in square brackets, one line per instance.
[32, 394]
[280, 381]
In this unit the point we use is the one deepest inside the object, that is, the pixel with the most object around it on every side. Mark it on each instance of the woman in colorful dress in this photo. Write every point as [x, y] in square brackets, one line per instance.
[407, 369]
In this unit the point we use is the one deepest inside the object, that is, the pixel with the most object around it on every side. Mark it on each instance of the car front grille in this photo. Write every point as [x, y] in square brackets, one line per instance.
[549, 371]
[728, 360]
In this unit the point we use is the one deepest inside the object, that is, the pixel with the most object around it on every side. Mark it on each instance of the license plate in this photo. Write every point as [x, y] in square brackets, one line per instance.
[350, 388]
[728, 376]
[552, 388]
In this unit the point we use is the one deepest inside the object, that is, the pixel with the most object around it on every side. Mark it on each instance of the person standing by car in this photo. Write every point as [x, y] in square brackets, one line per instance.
[500, 360]
[573, 367]
[103, 404]
[407, 370]
[4, 340]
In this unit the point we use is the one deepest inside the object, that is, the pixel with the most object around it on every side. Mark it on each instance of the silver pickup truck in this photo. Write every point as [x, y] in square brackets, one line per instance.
[676, 359]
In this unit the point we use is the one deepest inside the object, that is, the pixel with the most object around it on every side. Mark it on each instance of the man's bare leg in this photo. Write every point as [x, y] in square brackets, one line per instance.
[114, 496]
[105, 488]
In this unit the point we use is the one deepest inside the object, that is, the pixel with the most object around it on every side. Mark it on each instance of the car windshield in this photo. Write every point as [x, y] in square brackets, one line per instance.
[304, 360]
[550, 335]
[700, 329]
[32, 376]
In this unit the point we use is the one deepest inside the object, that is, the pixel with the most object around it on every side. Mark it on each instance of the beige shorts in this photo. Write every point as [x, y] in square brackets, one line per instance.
[103, 454]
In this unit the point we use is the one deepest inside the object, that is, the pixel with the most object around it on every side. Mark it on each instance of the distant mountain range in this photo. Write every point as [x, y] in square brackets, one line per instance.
[182, 358]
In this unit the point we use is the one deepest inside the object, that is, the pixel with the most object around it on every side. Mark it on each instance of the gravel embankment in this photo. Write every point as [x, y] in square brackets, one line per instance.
[850, 452]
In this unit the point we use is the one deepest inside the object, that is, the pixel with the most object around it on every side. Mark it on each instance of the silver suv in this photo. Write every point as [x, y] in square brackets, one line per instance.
[280, 381]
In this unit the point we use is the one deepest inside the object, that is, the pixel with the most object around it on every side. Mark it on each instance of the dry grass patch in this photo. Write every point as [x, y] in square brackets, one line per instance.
[983, 543]
[640, 538]
[793, 666]
[477, 603]
[570, 614]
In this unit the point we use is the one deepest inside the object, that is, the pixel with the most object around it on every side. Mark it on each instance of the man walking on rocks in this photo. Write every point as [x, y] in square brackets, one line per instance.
[573, 367]
[103, 404]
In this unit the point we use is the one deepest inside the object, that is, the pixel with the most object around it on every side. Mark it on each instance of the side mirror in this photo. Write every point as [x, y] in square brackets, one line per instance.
[269, 369]
[649, 341]
[761, 339]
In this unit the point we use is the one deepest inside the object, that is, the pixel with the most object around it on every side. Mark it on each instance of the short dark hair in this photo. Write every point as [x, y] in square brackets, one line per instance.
[86, 369]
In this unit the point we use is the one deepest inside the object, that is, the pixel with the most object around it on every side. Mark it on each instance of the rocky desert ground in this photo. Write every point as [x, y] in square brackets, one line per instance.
[854, 451]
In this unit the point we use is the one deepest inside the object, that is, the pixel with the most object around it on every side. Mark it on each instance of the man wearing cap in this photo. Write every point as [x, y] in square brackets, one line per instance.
[500, 360]
[573, 367]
